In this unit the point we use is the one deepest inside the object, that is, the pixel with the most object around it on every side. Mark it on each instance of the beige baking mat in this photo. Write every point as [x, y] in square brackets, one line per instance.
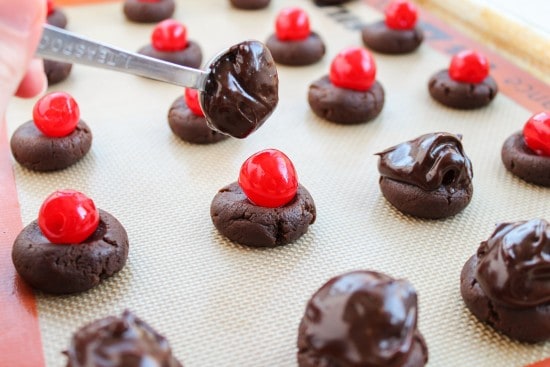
[221, 304]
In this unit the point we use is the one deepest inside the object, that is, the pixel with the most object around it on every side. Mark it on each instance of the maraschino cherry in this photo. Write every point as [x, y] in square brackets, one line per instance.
[169, 35]
[536, 133]
[51, 7]
[292, 24]
[401, 15]
[56, 114]
[469, 66]
[268, 179]
[353, 68]
[192, 101]
[68, 217]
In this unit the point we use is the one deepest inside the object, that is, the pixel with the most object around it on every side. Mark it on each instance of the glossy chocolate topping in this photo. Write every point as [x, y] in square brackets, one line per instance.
[429, 162]
[362, 318]
[514, 264]
[241, 91]
[124, 341]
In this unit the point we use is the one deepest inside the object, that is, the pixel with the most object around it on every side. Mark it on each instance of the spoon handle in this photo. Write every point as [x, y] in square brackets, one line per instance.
[60, 45]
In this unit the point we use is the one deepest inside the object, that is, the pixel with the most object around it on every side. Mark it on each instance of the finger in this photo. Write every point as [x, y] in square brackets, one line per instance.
[34, 82]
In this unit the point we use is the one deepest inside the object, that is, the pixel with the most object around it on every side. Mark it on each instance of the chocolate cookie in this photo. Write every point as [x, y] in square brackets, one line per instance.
[428, 177]
[362, 318]
[191, 56]
[141, 11]
[190, 127]
[345, 106]
[460, 95]
[330, 2]
[57, 18]
[59, 268]
[124, 341]
[39, 152]
[523, 162]
[56, 71]
[250, 4]
[380, 38]
[504, 284]
[296, 53]
[241, 221]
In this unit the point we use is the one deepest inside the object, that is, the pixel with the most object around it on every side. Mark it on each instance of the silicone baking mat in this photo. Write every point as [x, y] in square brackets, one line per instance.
[221, 304]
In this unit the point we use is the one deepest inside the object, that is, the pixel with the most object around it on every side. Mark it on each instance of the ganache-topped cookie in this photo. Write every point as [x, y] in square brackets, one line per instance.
[148, 11]
[526, 153]
[55, 139]
[506, 284]
[56, 71]
[169, 43]
[71, 247]
[350, 94]
[187, 120]
[428, 177]
[119, 341]
[267, 207]
[398, 33]
[362, 318]
[294, 43]
[466, 84]
[250, 4]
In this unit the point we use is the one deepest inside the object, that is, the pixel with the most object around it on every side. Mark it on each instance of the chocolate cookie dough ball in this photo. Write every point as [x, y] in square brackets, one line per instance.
[55, 16]
[362, 318]
[250, 4]
[330, 2]
[187, 121]
[294, 43]
[350, 94]
[505, 284]
[398, 33]
[71, 247]
[466, 84]
[55, 139]
[169, 42]
[526, 154]
[124, 341]
[56, 71]
[428, 177]
[148, 11]
[267, 207]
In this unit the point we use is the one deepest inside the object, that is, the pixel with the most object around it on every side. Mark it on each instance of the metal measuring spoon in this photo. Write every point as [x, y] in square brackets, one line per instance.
[239, 88]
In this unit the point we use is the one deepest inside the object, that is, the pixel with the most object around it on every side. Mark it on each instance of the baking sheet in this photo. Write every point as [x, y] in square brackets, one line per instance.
[221, 304]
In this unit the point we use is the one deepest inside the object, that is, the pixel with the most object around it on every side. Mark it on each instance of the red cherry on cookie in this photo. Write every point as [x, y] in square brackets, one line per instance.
[469, 66]
[50, 7]
[401, 15]
[56, 114]
[169, 35]
[353, 68]
[192, 101]
[268, 179]
[68, 217]
[536, 133]
[292, 24]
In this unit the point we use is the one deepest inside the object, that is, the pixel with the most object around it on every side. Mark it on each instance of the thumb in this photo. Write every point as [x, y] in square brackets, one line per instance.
[20, 29]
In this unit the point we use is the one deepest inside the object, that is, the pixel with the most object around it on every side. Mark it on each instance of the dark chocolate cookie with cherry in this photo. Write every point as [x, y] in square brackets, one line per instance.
[169, 42]
[55, 16]
[186, 120]
[350, 94]
[526, 153]
[55, 138]
[362, 318]
[466, 84]
[267, 207]
[294, 43]
[71, 247]
[398, 34]
[56, 71]
[148, 11]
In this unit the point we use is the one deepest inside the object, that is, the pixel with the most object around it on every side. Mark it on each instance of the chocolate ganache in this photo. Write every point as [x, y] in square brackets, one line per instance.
[362, 318]
[124, 341]
[514, 264]
[429, 162]
[241, 91]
